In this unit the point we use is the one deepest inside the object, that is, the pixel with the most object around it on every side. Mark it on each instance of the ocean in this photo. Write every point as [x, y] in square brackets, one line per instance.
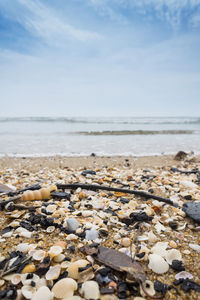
[104, 136]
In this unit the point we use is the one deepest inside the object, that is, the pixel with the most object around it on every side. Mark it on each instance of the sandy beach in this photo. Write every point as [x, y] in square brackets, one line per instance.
[102, 218]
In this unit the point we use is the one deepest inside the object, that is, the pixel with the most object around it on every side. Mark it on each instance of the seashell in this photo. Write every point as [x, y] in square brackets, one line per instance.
[62, 244]
[2, 281]
[173, 254]
[73, 298]
[152, 237]
[51, 229]
[28, 291]
[160, 248]
[40, 194]
[41, 282]
[29, 269]
[149, 287]
[59, 258]
[51, 208]
[72, 237]
[87, 213]
[43, 293]
[55, 251]
[173, 244]
[28, 281]
[195, 247]
[53, 272]
[65, 264]
[157, 264]
[125, 242]
[73, 271]
[159, 227]
[64, 288]
[39, 255]
[72, 224]
[90, 290]
[183, 275]
[23, 247]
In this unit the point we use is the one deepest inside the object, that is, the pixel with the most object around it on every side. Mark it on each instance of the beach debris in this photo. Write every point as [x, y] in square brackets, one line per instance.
[192, 210]
[177, 265]
[172, 254]
[183, 275]
[43, 193]
[180, 155]
[5, 188]
[43, 293]
[121, 262]
[95, 187]
[187, 285]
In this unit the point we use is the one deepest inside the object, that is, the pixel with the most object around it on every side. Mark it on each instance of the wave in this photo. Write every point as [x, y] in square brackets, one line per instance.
[106, 120]
[134, 132]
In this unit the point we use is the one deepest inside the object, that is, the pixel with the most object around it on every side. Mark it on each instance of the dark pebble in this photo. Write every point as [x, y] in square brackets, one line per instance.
[140, 217]
[124, 200]
[88, 172]
[6, 229]
[104, 271]
[192, 210]
[107, 290]
[61, 195]
[27, 226]
[173, 225]
[140, 255]
[177, 265]
[160, 287]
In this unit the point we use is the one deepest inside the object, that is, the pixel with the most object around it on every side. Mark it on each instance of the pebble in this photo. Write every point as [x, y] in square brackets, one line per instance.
[90, 290]
[64, 288]
[53, 273]
[125, 242]
[173, 244]
[192, 210]
[195, 247]
[91, 234]
[72, 224]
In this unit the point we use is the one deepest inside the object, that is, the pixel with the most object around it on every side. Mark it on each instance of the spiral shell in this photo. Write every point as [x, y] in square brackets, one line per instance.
[40, 194]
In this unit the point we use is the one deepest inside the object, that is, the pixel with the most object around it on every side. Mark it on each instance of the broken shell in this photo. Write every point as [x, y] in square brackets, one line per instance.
[125, 242]
[29, 269]
[152, 237]
[195, 247]
[160, 248]
[23, 247]
[43, 293]
[51, 208]
[158, 264]
[149, 287]
[173, 244]
[39, 255]
[53, 273]
[55, 251]
[59, 258]
[27, 281]
[90, 290]
[173, 254]
[64, 288]
[28, 291]
[2, 281]
[73, 271]
[183, 275]
[50, 229]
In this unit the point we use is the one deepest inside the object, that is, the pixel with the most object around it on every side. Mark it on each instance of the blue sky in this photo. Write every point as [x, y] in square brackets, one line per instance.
[99, 57]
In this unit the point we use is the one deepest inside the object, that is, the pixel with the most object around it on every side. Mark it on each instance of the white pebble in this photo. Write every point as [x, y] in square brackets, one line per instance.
[90, 290]
[43, 293]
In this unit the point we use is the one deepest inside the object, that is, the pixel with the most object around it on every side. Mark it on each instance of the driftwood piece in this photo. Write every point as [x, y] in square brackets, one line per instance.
[95, 187]
[28, 188]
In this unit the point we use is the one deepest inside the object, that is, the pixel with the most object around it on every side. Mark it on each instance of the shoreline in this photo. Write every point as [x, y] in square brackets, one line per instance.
[64, 162]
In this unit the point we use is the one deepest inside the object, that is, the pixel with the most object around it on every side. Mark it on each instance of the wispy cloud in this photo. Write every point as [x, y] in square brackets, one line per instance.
[175, 13]
[43, 22]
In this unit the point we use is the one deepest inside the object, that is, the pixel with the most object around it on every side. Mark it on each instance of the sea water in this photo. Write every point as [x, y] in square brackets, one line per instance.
[73, 136]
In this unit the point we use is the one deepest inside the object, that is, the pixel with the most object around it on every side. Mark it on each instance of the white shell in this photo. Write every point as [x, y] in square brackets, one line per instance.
[55, 250]
[53, 273]
[23, 247]
[195, 247]
[16, 279]
[64, 288]
[173, 254]
[160, 248]
[59, 258]
[73, 268]
[39, 255]
[43, 293]
[51, 208]
[152, 237]
[28, 291]
[90, 290]
[150, 289]
[26, 281]
[158, 264]
[183, 275]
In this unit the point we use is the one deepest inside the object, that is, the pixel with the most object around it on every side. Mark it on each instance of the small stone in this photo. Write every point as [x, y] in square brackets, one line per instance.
[72, 224]
[29, 269]
[195, 247]
[177, 265]
[64, 288]
[90, 290]
[192, 210]
[91, 234]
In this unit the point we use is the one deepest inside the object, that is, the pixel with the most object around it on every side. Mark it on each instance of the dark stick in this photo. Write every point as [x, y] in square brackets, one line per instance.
[3, 203]
[95, 187]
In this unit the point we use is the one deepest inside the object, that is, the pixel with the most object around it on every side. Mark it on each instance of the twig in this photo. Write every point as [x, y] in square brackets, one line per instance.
[15, 267]
[28, 188]
[4, 269]
[3, 203]
[95, 187]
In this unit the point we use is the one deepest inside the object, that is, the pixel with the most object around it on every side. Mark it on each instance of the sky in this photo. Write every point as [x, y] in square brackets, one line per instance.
[99, 58]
